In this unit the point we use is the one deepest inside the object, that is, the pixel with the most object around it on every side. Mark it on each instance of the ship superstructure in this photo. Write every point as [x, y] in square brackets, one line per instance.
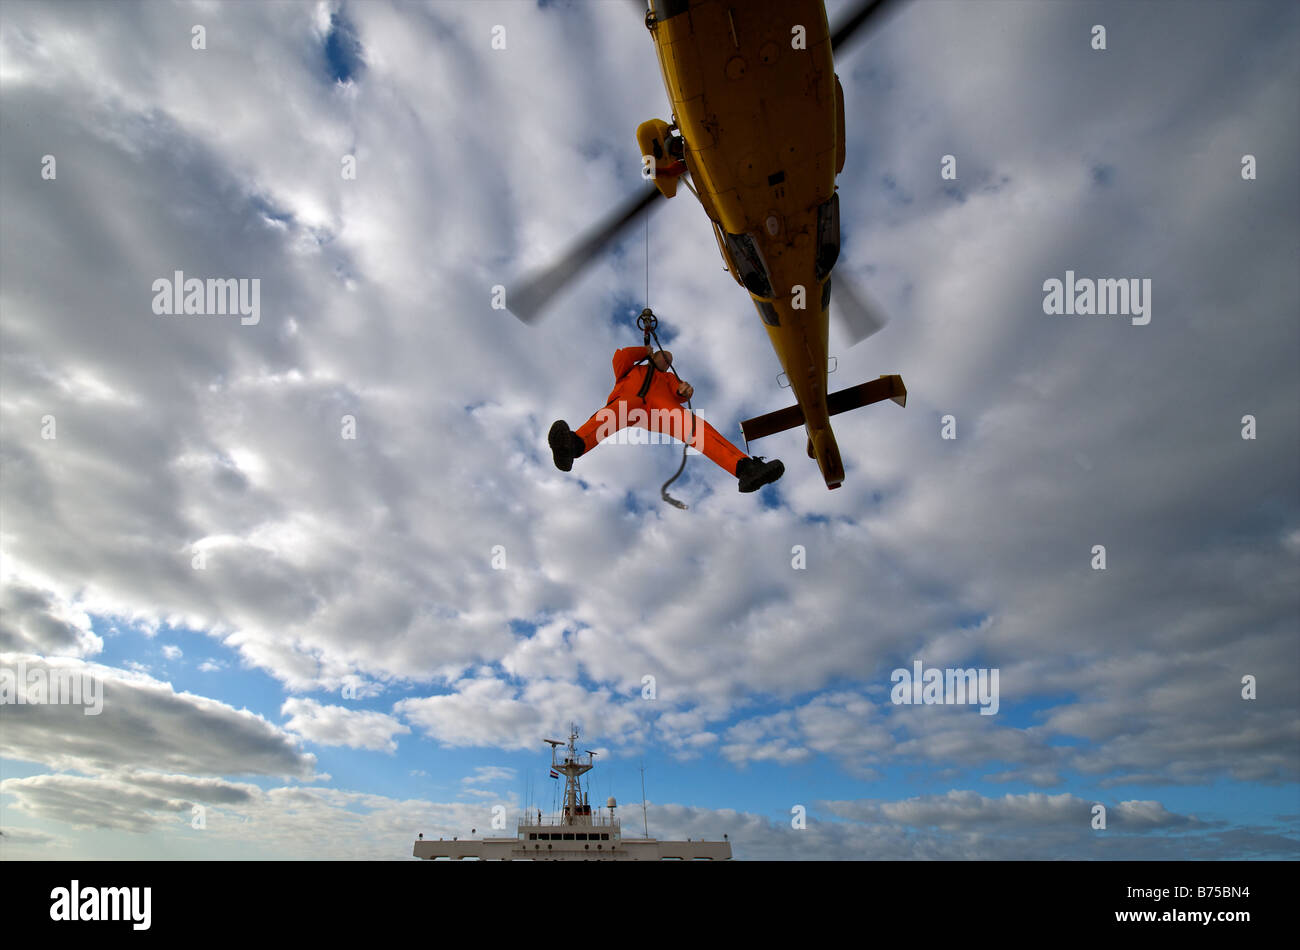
[576, 833]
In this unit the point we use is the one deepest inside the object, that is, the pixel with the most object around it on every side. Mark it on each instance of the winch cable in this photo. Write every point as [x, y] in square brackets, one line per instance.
[648, 323]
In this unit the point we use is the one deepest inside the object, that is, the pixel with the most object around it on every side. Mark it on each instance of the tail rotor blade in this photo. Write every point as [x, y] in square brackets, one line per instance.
[854, 310]
[529, 300]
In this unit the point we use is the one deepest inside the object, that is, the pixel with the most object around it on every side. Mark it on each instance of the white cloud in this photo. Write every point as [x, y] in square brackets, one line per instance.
[488, 774]
[184, 732]
[35, 620]
[338, 725]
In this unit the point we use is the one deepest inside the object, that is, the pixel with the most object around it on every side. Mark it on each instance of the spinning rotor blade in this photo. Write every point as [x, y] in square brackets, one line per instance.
[854, 310]
[528, 299]
[856, 20]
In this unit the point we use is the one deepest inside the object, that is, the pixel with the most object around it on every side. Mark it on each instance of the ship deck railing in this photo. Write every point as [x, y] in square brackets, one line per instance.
[578, 821]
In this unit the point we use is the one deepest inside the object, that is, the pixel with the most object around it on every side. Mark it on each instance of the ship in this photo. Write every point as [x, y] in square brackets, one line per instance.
[576, 833]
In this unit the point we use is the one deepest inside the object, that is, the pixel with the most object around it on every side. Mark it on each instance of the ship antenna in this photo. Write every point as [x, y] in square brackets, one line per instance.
[644, 820]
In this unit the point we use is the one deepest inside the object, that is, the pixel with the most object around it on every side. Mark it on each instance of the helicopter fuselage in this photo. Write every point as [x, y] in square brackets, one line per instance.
[757, 103]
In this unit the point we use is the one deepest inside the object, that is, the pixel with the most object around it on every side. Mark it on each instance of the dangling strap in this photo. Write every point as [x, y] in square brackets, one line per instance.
[645, 383]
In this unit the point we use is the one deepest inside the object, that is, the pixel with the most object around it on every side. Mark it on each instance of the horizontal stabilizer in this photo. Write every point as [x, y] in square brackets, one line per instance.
[878, 390]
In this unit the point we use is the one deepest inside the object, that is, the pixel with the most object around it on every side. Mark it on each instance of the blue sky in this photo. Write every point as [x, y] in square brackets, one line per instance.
[349, 668]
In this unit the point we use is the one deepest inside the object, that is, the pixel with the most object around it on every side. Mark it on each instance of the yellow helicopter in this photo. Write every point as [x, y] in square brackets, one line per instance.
[758, 137]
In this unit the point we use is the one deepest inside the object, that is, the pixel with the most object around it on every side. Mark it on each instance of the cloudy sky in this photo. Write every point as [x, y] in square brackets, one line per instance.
[332, 643]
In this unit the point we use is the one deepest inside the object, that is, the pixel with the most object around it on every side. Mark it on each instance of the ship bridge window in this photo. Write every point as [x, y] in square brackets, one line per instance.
[568, 837]
[828, 235]
[748, 261]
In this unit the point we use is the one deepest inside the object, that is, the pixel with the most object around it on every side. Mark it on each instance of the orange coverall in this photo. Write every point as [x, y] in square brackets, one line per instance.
[662, 395]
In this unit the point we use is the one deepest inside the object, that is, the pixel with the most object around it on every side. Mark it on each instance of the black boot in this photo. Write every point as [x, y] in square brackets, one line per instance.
[754, 473]
[565, 444]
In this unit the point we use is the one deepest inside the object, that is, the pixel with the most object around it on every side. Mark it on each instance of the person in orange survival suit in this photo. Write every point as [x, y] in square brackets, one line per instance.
[648, 397]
